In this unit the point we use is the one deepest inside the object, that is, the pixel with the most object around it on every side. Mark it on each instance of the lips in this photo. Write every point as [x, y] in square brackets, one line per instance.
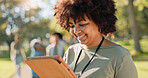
[81, 37]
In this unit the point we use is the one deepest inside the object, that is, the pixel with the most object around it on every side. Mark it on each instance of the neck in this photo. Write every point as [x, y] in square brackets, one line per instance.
[96, 42]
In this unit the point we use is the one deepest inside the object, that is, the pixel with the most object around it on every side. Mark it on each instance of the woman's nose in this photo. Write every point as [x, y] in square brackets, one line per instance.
[76, 29]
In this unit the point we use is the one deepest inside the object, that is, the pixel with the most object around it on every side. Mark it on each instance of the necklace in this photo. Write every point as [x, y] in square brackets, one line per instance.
[89, 60]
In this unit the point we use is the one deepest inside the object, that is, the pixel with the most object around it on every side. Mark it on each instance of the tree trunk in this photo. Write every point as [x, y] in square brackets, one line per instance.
[134, 27]
[127, 32]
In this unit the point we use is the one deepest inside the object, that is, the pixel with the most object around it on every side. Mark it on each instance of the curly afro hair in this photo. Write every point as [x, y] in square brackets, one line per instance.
[102, 12]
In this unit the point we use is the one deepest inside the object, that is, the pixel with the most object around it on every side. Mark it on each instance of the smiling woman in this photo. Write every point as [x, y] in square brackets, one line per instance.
[91, 21]
[82, 30]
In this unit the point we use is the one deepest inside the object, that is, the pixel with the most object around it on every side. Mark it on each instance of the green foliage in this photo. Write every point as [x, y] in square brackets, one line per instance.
[144, 45]
[130, 46]
[2, 20]
[141, 4]
[32, 29]
[142, 18]
[17, 17]
[54, 27]
[4, 37]
[121, 3]
[123, 27]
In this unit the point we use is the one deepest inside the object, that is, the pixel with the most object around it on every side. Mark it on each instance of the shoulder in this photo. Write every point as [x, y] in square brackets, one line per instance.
[115, 52]
[62, 42]
[12, 43]
[120, 54]
[50, 45]
[121, 51]
[123, 54]
[75, 47]
[124, 64]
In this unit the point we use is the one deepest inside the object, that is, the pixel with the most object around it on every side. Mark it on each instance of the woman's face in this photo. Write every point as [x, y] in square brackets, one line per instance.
[17, 39]
[86, 31]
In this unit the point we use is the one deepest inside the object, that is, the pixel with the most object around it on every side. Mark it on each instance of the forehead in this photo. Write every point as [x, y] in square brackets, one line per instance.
[16, 37]
[78, 20]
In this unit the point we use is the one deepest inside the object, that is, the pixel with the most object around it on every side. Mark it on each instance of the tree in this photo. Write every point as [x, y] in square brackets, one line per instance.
[22, 17]
[134, 27]
[32, 29]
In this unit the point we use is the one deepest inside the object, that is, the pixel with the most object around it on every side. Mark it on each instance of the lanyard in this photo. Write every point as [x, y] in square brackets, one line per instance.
[89, 60]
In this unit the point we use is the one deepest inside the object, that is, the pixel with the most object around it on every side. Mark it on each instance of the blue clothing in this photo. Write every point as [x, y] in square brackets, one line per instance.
[33, 54]
[18, 59]
[36, 53]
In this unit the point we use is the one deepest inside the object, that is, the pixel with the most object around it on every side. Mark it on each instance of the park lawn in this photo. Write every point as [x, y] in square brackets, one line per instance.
[142, 68]
[7, 68]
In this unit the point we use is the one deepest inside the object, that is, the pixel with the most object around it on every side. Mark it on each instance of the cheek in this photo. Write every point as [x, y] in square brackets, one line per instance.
[82, 28]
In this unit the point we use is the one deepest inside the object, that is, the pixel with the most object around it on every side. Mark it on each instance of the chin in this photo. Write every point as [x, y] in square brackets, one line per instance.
[83, 42]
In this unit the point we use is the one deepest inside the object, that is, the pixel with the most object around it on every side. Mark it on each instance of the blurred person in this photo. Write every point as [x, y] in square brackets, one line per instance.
[95, 56]
[17, 53]
[56, 46]
[37, 50]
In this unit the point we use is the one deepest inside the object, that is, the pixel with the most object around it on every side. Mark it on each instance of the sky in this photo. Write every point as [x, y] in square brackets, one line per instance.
[47, 8]
[45, 5]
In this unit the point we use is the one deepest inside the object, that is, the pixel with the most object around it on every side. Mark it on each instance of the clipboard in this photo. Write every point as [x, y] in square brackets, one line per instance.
[50, 67]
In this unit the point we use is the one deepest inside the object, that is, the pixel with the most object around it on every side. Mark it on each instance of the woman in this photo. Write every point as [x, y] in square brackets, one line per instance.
[56, 46]
[17, 53]
[91, 21]
[37, 50]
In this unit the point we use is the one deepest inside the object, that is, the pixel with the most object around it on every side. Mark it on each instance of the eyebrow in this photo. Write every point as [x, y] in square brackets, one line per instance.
[70, 23]
[76, 22]
[79, 21]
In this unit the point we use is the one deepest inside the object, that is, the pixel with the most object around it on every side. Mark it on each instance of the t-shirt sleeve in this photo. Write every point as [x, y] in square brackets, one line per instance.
[126, 69]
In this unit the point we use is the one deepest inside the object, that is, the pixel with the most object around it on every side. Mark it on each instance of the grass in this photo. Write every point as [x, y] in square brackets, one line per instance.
[142, 68]
[7, 68]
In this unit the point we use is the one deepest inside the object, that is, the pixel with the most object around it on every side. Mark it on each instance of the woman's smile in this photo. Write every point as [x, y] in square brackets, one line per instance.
[81, 38]
[82, 30]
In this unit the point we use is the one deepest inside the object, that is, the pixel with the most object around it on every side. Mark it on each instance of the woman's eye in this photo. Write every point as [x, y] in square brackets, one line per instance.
[72, 26]
[83, 24]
